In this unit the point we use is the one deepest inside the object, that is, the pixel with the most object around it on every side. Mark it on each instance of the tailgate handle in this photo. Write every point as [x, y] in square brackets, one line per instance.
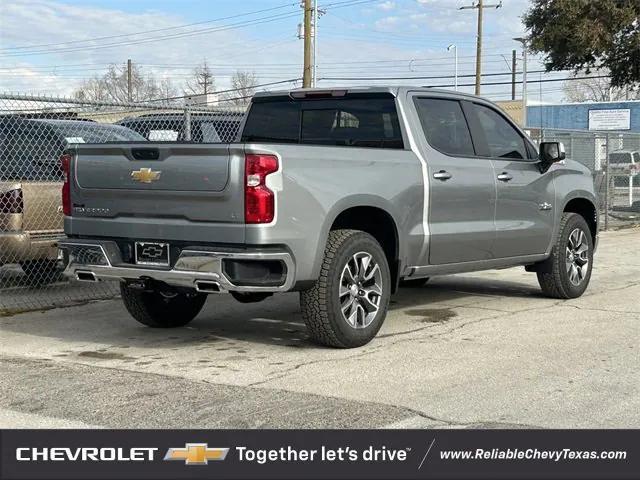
[145, 153]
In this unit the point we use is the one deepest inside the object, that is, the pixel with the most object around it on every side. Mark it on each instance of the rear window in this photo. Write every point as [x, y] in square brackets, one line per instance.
[370, 121]
[620, 157]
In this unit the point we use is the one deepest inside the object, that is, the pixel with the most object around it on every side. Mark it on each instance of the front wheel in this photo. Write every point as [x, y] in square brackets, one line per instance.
[161, 309]
[566, 273]
[348, 304]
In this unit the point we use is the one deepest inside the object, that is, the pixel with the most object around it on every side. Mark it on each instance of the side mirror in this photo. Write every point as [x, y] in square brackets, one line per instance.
[551, 152]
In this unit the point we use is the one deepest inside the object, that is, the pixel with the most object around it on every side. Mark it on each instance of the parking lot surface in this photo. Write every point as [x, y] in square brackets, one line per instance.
[465, 351]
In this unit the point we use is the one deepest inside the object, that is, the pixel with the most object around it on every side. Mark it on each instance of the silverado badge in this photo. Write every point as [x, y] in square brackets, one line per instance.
[145, 175]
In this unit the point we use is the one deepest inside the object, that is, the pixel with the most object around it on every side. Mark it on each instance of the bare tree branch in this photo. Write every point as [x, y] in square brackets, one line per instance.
[113, 86]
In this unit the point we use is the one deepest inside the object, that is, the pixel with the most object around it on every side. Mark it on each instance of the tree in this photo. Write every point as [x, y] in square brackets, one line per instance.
[201, 82]
[113, 86]
[244, 85]
[595, 89]
[582, 35]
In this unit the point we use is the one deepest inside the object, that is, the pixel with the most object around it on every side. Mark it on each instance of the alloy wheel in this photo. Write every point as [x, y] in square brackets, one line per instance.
[577, 256]
[360, 290]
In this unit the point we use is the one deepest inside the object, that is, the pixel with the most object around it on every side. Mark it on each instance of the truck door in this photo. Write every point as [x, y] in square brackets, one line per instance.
[461, 184]
[525, 197]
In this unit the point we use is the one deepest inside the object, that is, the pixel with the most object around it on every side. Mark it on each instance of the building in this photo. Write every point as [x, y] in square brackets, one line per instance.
[622, 116]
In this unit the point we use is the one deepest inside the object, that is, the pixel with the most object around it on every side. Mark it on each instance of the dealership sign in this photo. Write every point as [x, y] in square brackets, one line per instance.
[610, 119]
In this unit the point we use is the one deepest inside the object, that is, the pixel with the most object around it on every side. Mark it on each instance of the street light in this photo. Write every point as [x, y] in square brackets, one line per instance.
[523, 41]
[454, 47]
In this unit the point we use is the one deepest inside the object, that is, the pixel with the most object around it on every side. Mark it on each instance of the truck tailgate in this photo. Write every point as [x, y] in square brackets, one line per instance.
[176, 184]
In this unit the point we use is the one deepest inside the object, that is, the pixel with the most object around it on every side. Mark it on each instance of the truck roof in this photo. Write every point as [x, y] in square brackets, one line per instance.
[395, 90]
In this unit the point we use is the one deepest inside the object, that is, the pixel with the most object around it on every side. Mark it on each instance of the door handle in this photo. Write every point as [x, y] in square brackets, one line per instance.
[442, 175]
[505, 177]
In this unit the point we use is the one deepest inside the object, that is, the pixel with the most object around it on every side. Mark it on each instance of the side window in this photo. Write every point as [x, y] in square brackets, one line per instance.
[445, 126]
[503, 140]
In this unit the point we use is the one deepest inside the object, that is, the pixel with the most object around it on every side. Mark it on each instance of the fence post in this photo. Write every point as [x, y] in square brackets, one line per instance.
[606, 184]
[571, 148]
[187, 124]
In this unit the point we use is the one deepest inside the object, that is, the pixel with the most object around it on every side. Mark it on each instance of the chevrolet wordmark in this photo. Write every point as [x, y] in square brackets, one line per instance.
[343, 195]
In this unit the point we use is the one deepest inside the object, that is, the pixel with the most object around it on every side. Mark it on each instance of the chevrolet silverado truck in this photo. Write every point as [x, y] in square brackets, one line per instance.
[342, 195]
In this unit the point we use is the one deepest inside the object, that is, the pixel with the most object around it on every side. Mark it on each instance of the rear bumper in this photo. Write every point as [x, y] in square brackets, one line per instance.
[16, 247]
[200, 268]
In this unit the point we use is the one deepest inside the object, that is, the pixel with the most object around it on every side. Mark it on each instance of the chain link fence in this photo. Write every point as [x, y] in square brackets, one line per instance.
[614, 160]
[34, 132]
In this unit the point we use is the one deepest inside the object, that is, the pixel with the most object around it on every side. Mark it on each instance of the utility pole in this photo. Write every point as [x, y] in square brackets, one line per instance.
[306, 73]
[315, 42]
[523, 41]
[480, 6]
[513, 74]
[454, 47]
[129, 80]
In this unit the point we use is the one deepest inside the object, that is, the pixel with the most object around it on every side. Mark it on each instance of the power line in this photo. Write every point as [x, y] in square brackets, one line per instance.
[546, 80]
[436, 77]
[290, 80]
[219, 19]
[242, 24]
[246, 23]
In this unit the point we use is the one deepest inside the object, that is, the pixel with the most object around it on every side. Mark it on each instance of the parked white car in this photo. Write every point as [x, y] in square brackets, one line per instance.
[624, 162]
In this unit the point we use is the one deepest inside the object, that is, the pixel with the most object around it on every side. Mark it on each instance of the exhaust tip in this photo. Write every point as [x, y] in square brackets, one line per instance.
[86, 277]
[205, 286]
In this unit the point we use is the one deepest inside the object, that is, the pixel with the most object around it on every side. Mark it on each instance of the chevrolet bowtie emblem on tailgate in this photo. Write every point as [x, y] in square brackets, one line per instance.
[196, 454]
[145, 175]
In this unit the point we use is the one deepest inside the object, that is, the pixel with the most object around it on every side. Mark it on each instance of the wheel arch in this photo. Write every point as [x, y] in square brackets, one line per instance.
[585, 207]
[370, 214]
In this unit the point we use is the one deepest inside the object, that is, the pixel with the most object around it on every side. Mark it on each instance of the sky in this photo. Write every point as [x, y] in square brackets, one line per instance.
[50, 46]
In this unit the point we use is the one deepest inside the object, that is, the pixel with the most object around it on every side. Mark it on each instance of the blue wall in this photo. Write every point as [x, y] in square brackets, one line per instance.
[576, 116]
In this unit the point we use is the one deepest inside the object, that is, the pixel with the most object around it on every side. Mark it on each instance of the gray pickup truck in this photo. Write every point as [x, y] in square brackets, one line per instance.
[342, 195]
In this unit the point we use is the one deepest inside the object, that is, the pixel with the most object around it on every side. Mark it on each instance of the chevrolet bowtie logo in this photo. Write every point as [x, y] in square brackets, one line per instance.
[196, 454]
[145, 175]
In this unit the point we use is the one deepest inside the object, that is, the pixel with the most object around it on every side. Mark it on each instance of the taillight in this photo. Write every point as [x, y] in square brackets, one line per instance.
[11, 201]
[259, 201]
[65, 165]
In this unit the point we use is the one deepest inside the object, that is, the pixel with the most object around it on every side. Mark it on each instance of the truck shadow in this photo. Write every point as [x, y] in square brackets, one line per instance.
[224, 324]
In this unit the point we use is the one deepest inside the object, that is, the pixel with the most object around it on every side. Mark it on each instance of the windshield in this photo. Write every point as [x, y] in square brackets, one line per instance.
[31, 150]
[92, 133]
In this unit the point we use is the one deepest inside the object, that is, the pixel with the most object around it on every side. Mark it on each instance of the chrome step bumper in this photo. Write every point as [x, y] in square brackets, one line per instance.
[197, 268]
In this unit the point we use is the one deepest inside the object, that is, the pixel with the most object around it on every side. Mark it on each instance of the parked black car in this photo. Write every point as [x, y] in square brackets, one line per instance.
[219, 127]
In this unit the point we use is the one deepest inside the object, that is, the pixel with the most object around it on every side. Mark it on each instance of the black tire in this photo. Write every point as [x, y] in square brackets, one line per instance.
[160, 309]
[41, 272]
[321, 305]
[553, 274]
[413, 282]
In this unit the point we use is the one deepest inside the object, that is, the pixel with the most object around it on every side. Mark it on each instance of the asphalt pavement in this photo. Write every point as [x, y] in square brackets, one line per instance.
[483, 350]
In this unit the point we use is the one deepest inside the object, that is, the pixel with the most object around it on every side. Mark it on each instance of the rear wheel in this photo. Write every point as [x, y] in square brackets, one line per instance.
[566, 273]
[348, 304]
[41, 272]
[161, 308]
